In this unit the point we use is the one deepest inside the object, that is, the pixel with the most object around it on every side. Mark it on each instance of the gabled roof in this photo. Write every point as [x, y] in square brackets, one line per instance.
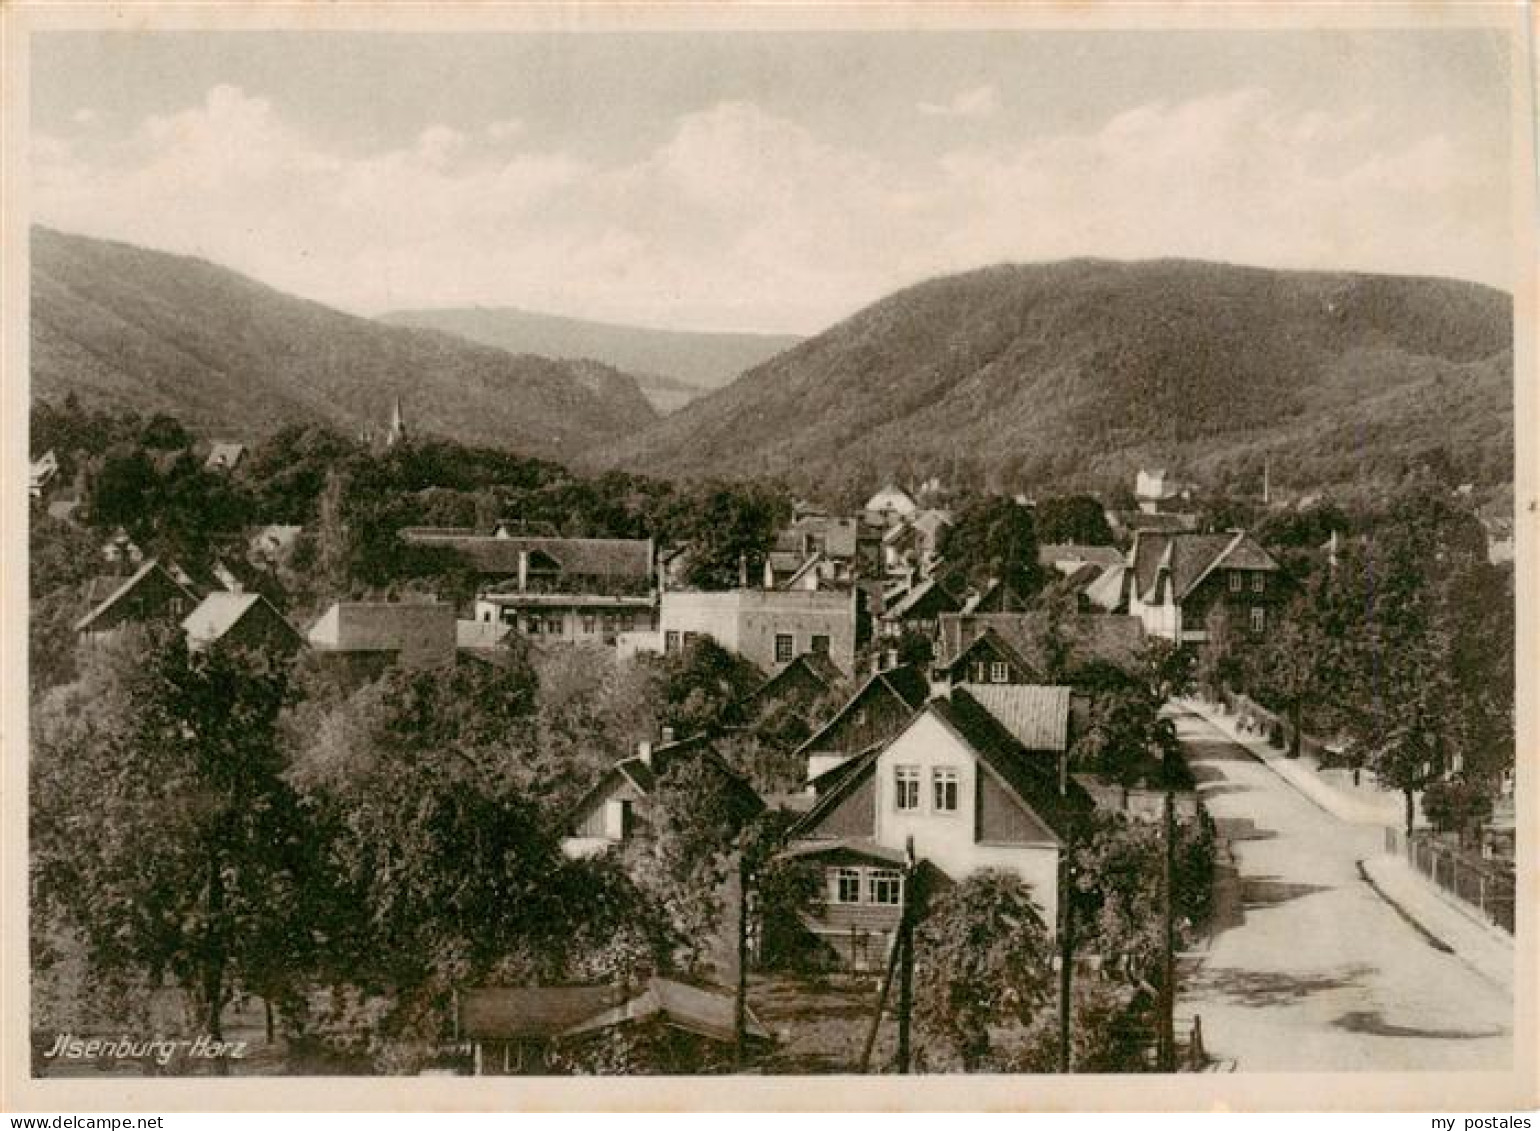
[644, 773]
[906, 683]
[126, 587]
[1106, 591]
[531, 1012]
[929, 522]
[216, 615]
[695, 1009]
[1053, 553]
[852, 771]
[1187, 559]
[813, 664]
[802, 571]
[1036, 715]
[991, 638]
[1034, 781]
[1113, 638]
[384, 626]
[931, 588]
[589, 557]
[224, 456]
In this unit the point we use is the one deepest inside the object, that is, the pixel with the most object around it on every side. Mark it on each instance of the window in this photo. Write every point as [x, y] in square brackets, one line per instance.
[884, 886]
[690, 638]
[534, 624]
[906, 780]
[819, 646]
[553, 625]
[1235, 582]
[1258, 620]
[784, 643]
[943, 786]
[980, 672]
[1258, 582]
[627, 622]
[670, 642]
[998, 672]
[589, 623]
[847, 885]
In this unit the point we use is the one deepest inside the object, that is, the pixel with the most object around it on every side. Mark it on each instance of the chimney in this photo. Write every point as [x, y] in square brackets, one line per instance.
[523, 570]
[743, 571]
[889, 659]
[644, 752]
[940, 683]
[668, 735]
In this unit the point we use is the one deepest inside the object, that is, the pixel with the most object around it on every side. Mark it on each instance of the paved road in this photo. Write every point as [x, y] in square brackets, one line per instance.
[1309, 968]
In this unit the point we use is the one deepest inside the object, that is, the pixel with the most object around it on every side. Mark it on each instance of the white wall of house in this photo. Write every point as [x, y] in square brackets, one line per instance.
[767, 627]
[946, 839]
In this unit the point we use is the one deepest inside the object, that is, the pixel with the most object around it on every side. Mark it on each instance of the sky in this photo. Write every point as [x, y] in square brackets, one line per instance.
[774, 182]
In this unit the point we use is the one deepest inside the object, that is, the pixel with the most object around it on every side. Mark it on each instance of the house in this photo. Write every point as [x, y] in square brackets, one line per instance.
[369, 636]
[915, 543]
[1154, 489]
[44, 470]
[919, 609]
[150, 593]
[242, 620]
[1175, 580]
[618, 809]
[799, 685]
[768, 628]
[847, 548]
[958, 785]
[562, 590]
[1029, 648]
[891, 504]
[1004, 595]
[224, 457]
[1069, 558]
[525, 1030]
[881, 707]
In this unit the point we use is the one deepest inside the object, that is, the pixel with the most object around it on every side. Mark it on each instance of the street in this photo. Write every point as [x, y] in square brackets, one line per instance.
[1309, 968]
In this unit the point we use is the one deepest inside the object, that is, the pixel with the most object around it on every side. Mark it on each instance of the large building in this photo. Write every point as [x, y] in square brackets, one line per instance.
[1174, 581]
[770, 628]
[968, 787]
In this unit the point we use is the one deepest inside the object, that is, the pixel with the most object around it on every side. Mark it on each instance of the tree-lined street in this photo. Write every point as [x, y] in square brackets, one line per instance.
[1309, 969]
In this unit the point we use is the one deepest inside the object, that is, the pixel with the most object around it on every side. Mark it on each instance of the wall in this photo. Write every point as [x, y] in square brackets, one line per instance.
[947, 841]
[747, 621]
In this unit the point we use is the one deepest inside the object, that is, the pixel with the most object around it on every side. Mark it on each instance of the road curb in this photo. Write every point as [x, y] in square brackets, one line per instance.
[1446, 928]
[1323, 796]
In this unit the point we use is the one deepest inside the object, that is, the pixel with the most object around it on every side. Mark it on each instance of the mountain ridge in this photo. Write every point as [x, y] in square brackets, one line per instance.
[131, 327]
[671, 366]
[1020, 377]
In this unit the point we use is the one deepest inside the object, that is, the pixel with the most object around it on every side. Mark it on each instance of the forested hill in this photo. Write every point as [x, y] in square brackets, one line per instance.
[672, 365]
[129, 328]
[1073, 374]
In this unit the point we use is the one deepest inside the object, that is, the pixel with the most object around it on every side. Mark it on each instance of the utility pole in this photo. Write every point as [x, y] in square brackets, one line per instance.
[1066, 957]
[741, 998]
[906, 961]
[1167, 1045]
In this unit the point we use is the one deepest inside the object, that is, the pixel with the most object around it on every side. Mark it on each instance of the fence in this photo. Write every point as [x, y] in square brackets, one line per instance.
[1481, 886]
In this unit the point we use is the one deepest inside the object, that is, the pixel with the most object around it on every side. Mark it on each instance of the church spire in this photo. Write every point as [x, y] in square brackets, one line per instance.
[397, 432]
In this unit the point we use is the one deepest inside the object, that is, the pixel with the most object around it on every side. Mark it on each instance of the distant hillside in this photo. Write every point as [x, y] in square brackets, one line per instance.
[673, 366]
[132, 328]
[1073, 374]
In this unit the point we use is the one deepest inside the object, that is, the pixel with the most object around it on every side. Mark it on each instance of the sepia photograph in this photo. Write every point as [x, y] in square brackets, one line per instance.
[785, 542]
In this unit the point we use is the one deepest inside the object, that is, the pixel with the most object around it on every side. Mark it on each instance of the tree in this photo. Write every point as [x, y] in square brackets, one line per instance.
[702, 683]
[1072, 518]
[1284, 668]
[697, 816]
[1457, 805]
[164, 832]
[729, 530]
[982, 959]
[994, 539]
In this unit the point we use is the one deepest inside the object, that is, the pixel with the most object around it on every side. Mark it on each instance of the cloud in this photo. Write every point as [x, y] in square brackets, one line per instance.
[738, 217]
[979, 102]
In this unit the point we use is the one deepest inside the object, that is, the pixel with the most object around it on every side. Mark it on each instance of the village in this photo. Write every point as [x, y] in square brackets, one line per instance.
[946, 780]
